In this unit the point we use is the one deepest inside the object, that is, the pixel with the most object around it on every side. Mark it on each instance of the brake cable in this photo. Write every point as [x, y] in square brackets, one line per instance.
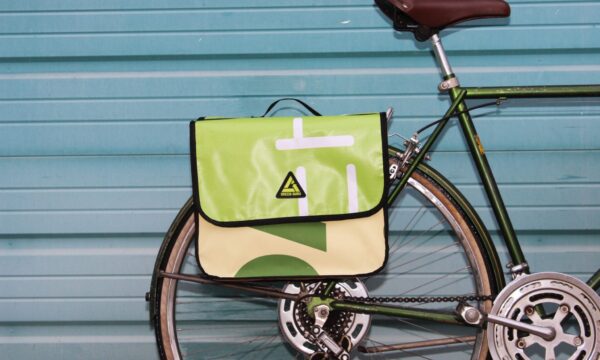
[498, 102]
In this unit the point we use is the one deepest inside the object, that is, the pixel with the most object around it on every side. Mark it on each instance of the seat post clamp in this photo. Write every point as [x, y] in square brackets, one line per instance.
[448, 84]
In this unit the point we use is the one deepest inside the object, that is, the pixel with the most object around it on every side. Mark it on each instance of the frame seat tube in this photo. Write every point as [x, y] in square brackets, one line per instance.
[489, 183]
[457, 94]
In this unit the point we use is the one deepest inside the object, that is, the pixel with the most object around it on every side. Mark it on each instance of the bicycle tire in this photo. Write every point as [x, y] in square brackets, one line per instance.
[238, 326]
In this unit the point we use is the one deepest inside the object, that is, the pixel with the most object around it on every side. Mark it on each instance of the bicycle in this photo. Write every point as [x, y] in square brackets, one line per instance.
[438, 241]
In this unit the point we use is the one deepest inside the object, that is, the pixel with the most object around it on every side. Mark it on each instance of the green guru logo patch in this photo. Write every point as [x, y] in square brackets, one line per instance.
[290, 188]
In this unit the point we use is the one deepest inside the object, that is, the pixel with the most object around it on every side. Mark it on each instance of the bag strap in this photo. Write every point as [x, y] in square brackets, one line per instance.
[308, 107]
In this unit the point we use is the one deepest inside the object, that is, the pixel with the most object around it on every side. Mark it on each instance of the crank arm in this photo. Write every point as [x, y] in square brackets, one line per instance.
[473, 316]
[262, 290]
[545, 333]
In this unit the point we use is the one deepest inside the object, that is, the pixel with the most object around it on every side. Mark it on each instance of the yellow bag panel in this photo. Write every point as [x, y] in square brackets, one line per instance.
[350, 247]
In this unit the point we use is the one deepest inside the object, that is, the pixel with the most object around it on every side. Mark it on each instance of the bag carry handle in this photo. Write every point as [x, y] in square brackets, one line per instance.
[308, 107]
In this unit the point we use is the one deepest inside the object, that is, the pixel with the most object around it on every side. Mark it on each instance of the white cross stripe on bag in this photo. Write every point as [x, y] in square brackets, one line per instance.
[302, 202]
[299, 142]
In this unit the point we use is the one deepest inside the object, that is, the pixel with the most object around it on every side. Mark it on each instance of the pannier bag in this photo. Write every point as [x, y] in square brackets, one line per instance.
[290, 197]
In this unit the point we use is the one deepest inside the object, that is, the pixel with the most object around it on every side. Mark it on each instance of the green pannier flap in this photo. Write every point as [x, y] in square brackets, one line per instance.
[252, 171]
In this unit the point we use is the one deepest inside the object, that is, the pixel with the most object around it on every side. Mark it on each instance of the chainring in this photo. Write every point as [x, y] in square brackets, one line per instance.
[552, 300]
[295, 322]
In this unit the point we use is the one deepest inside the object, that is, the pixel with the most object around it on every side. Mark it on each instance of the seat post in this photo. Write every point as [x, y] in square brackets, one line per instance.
[440, 54]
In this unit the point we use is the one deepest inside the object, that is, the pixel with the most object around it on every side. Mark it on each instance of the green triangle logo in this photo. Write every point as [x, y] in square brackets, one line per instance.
[290, 188]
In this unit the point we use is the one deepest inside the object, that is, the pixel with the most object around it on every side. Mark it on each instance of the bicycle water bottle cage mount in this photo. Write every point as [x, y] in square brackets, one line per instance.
[427, 17]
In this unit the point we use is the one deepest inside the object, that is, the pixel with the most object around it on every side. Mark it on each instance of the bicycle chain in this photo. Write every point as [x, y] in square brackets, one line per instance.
[418, 299]
[413, 299]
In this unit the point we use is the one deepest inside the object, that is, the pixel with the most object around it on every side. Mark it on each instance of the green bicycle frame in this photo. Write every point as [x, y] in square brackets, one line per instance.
[458, 96]
[458, 107]
[476, 149]
[478, 153]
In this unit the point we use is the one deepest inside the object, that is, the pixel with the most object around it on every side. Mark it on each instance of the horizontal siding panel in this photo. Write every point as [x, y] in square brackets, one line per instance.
[286, 42]
[95, 171]
[97, 255]
[82, 287]
[94, 199]
[139, 221]
[76, 263]
[525, 167]
[198, 20]
[111, 5]
[175, 111]
[533, 195]
[228, 19]
[574, 252]
[77, 341]
[523, 218]
[462, 61]
[90, 265]
[155, 171]
[576, 167]
[74, 309]
[171, 137]
[90, 348]
[57, 90]
[86, 222]
[95, 100]
[108, 5]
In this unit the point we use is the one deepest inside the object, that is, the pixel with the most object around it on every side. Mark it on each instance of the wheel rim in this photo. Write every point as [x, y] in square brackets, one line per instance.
[198, 332]
[429, 247]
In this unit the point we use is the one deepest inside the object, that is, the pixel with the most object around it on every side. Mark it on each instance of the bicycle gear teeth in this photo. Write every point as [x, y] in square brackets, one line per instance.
[336, 326]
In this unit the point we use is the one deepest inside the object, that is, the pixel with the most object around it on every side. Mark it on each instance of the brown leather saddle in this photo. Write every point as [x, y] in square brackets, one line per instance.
[427, 17]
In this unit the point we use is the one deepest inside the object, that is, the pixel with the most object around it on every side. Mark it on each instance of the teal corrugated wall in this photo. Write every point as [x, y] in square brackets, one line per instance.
[96, 95]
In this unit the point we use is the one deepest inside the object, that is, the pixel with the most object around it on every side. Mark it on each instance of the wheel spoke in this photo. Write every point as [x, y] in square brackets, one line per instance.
[411, 241]
[420, 266]
[421, 344]
[430, 330]
[438, 279]
[423, 256]
[427, 257]
[411, 353]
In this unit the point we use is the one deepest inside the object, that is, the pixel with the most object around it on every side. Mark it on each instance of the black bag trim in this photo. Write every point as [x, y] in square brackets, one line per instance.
[291, 219]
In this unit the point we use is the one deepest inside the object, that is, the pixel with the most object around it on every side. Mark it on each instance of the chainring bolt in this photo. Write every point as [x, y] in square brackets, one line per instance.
[577, 341]
[521, 344]
[529, 310]
[565, 308]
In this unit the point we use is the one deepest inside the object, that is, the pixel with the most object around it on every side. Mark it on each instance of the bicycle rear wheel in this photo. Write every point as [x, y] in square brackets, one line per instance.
[434, 249]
